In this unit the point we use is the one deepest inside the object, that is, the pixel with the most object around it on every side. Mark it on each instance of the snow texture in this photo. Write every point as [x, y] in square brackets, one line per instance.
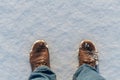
[63, 24]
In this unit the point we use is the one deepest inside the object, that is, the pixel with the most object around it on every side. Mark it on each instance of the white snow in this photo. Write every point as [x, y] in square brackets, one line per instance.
[63, 24]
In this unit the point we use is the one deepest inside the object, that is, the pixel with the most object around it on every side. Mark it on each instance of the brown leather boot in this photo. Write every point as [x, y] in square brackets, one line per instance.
[87, 53]
[39, 54]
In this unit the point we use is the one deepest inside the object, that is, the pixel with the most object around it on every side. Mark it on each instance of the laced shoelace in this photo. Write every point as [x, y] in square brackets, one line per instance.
[40, 63]
[92, 54]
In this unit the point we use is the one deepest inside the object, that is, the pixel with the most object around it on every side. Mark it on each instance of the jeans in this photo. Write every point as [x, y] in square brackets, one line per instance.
[84, 72]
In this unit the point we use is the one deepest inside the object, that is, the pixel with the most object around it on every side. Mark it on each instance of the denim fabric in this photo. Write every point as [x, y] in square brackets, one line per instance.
[84, 72]
[42, 73]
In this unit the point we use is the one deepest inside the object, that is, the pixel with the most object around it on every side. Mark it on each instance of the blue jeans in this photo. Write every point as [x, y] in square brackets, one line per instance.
[84, 72]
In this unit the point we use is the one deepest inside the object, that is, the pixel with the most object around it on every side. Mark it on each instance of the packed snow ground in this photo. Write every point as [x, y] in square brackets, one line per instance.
[63, 24]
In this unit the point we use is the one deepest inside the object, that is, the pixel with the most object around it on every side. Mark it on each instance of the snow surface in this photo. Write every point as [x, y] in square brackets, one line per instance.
[63, 24]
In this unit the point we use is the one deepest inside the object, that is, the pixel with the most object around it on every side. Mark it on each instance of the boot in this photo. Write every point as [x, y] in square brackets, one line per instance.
[87, 54]
[39, 54]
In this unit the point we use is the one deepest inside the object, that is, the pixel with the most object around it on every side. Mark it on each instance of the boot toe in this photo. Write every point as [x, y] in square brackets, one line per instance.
[39, 45]
[87, 45]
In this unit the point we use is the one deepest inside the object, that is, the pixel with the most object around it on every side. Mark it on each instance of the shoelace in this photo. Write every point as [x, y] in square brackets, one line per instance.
[41, 62]
[92, 54]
